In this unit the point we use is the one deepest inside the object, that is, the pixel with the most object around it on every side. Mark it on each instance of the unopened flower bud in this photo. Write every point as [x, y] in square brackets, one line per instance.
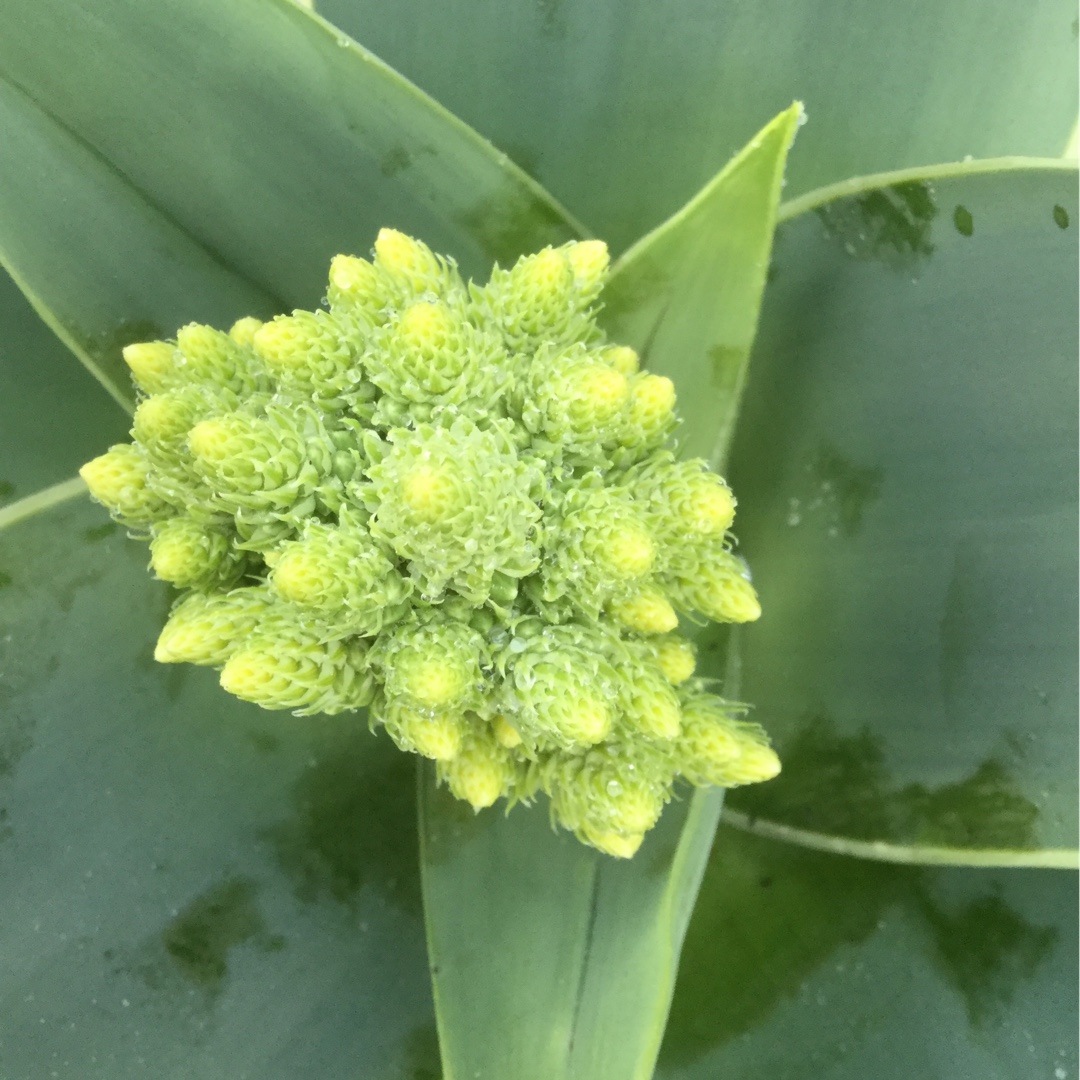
[480, 773]
[152, 364]
[647, 611]
[118, 480]
[187, 555]
[207, 629]
[676, 658]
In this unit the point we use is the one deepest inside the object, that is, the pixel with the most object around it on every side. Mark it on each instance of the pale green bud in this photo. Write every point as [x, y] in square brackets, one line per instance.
[544, 298]
[610, 796]
[413, 266]
[685, 502]
[457, 504]
[589, 260]
[599, 552]
[269, 464]
[243, 331]
[207, 355]
[576, 400]
[431, 356]
[357, 287]
[559, 687]
[435, 665]
[647, 611]
[647, 701]
[311, 353]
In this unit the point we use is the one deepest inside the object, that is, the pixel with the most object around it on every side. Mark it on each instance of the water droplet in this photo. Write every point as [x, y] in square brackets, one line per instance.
[614, 788]
[518, 645]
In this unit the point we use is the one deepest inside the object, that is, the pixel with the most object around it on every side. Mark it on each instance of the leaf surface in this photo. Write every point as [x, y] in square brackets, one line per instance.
[192, 160]
[549, 960]
[625, 108]
[190, 885]
[803, 966]
[906, 469]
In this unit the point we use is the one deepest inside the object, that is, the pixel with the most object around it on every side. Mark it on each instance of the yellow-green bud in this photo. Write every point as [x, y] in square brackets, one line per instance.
[676, 658]
[413, 264]
[187, 555]
[589, 261]
[720, 749]
[480, 773]
[309, 352]
[648, 702]
[718, 587]
[652, 408]
[505, 733]
[208, 355]
[290, 670]
[435, 665]
[607, 792]
[434, 734]
[647, 611]
[152, 364]
[118, 480]
[243, 331]
[207, 629]
[623, 359]
[355, 284]
[620, 845]
[627, 551]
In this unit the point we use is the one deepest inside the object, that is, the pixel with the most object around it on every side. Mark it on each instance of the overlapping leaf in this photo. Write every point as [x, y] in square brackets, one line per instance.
[549, 960]
[906, 465]
[624, 108]
[189, 160]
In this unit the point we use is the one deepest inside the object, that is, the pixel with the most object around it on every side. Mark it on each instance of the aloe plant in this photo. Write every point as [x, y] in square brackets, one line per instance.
[871, 333]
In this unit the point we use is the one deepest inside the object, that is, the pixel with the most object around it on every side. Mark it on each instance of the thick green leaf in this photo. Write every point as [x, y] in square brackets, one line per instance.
[690, 291]
[191, 887]
[52, 415]
[549, 960]
[624, 108]
[801, 966]
[189, 159]
[906, 469]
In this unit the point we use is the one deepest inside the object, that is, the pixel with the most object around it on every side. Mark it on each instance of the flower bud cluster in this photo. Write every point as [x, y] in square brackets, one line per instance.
[456, 505]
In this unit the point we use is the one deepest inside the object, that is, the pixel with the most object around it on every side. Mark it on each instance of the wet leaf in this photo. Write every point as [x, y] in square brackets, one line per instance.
[599, 939]
[173, 162]
[631, 105]
[906, 470]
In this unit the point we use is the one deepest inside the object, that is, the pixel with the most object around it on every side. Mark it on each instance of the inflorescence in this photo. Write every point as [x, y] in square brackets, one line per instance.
[459, 506]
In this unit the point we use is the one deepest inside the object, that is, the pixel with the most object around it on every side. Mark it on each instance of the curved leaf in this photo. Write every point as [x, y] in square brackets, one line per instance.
[192, 160]
[690, 291]
[803, 966]
[624, 108]
[190, 885]
[52, 416]
[906, 468]
[599, 939]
